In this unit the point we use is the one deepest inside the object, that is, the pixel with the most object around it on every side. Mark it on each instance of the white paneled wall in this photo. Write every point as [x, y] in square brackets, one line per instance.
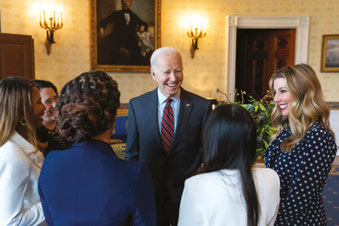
[334, 123]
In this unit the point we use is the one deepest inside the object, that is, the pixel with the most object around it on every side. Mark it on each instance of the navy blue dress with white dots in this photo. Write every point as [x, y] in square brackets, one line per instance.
[302, 174]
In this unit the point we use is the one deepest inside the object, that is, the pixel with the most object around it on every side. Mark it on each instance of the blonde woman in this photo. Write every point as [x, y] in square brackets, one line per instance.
[21, 113]
[304, 146]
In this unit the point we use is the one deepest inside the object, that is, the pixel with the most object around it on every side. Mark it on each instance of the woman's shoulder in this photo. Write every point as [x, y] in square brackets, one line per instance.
[94, 152]
[318, 127]
[266, 180]
[201, 177]
[12, 151]
[318, 132]
[265, 174]
[13, 158]
[222, 177]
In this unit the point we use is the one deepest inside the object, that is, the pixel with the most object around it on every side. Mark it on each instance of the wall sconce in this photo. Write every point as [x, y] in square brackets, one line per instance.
[54, 22]
[195, 32]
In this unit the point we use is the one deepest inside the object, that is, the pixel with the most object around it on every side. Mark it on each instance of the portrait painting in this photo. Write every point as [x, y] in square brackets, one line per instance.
[330, 54]
[124, 34]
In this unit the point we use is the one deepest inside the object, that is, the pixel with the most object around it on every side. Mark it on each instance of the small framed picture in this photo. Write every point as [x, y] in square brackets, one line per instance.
[330, 53]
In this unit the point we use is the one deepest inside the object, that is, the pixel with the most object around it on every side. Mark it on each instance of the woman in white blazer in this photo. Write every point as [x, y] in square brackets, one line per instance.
[228, 190]
[21, 113]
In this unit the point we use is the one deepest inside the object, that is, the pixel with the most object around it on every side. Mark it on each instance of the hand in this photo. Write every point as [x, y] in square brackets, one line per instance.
[101, 32]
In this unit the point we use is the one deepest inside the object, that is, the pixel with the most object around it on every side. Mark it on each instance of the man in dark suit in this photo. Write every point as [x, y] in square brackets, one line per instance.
[121, 45]
[170, 161]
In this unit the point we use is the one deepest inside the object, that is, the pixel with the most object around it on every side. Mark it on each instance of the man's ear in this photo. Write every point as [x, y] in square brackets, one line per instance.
[153, 74]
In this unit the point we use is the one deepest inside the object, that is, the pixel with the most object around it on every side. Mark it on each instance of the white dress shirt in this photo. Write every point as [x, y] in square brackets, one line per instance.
[20, 165]
[216, 199]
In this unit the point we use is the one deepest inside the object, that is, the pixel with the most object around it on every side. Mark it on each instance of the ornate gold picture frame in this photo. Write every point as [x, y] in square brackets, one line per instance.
[124, 34]
[330, 53]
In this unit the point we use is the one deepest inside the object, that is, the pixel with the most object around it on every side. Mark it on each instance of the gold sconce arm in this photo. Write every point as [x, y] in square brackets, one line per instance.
[54, 22]
[195, 37]
[195, 33]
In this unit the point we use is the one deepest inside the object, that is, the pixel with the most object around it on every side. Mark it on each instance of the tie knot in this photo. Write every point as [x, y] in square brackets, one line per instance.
[169, 101]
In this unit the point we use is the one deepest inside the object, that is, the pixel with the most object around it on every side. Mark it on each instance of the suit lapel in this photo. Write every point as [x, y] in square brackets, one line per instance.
[154, 113]
[183, 117]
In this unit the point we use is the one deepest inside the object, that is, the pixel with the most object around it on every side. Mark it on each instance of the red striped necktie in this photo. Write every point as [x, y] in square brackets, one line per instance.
[167, 125]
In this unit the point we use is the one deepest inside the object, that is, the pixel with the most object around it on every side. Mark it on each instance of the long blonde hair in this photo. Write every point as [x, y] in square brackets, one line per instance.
[16, 108]
[309, 105]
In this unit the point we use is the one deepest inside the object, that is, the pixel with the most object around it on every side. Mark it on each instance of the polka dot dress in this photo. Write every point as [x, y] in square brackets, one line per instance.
[302, 174]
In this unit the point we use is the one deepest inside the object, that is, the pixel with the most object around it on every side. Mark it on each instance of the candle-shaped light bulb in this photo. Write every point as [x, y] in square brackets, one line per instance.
[57, 19]
[45, 18]
[50, 18]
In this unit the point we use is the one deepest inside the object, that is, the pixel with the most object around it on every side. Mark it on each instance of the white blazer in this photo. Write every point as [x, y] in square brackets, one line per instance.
[216, 198]
[20, 165]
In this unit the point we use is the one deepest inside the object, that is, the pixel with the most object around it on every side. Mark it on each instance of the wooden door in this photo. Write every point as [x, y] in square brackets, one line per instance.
[259, 54]
[16, 56]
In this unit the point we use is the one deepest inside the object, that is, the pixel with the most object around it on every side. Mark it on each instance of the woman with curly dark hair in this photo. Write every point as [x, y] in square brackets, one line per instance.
[88, 184]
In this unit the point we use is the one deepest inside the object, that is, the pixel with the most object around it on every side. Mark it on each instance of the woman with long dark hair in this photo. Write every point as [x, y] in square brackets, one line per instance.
[229, 191]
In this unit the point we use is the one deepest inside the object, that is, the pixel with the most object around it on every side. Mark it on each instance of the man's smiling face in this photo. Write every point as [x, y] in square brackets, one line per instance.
[168, 73]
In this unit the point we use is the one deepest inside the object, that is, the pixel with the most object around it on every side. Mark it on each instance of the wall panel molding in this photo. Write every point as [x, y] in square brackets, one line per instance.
[300, 23]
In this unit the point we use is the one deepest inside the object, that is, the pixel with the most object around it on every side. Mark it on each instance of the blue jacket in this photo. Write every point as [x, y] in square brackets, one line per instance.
[89, 185]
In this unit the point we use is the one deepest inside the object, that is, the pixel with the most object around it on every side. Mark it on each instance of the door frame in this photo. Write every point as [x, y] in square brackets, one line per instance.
[300, 23]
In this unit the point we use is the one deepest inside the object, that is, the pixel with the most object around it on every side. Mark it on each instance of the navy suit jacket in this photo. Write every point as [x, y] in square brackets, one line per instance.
[168, 170]
[89, 185]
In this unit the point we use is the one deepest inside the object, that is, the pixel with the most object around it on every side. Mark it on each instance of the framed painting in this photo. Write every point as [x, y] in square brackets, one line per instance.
[330, 53]
[124, 34]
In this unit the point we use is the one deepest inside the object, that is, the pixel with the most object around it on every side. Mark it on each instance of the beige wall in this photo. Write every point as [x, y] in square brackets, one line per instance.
[203, 74]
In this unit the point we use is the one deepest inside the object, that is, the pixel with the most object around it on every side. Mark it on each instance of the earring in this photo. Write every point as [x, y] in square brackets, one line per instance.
[23, 122]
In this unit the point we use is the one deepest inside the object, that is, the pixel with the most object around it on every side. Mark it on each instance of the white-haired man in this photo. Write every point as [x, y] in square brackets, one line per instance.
[165, 132]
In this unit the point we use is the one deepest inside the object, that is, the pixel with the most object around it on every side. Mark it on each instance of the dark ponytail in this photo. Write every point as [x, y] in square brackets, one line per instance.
[230, 143]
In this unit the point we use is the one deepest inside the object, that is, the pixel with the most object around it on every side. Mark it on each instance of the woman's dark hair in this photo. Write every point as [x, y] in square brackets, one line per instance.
[230, 143]
[88, 106]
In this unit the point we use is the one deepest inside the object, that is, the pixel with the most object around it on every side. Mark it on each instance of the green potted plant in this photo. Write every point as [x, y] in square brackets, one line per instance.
[261, 112]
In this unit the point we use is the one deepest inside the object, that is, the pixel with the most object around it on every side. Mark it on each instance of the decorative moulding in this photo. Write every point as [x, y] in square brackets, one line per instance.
[300, 23]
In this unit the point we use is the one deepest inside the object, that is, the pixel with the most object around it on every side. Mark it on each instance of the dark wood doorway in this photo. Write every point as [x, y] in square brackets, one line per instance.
[259, 54]
[16, 56]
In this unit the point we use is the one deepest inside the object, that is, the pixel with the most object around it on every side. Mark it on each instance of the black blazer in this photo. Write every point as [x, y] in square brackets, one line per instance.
[168, 170]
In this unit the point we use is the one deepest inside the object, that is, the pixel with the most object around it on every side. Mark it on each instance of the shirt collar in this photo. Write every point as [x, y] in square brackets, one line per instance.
[27, 147]
[162, 98]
